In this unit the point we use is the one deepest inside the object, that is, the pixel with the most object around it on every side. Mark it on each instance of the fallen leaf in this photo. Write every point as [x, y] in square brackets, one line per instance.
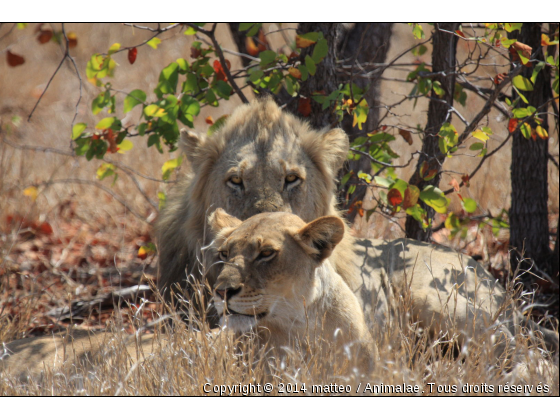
[132, 53]
[15, 60]
[45, 228]
[407, 135]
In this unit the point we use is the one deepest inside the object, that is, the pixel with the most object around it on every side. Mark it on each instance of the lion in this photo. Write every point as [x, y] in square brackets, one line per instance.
[277, 281]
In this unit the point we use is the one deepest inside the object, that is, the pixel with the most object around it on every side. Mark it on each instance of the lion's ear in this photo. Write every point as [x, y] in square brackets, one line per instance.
[335, 146]
[190, 144]
[319, 237]
[221, 222]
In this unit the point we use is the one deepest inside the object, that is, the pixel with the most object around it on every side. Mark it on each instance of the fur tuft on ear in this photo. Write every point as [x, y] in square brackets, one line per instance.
[221, 223]
[190, 144]
[319, 237]
[335, 144]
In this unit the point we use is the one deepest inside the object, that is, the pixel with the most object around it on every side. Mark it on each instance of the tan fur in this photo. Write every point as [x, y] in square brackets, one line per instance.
[262, 145]
[293, 296]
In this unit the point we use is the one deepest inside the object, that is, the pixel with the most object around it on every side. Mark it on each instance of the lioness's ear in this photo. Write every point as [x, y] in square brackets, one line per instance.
[220, 221]
[190, 144]
[335, 146]
[319, 237]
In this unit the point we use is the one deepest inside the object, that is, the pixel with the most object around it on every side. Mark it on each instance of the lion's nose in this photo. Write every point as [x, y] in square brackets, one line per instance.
[228, 293]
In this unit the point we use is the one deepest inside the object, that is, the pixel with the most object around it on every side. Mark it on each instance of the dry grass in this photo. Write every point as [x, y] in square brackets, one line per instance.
[182, 361]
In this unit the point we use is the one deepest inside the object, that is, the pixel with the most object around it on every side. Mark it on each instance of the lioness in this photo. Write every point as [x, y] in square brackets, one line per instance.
[277, 280]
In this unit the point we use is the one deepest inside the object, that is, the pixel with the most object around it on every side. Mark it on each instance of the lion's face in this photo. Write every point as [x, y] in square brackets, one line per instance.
[268, 269]
[265, 160]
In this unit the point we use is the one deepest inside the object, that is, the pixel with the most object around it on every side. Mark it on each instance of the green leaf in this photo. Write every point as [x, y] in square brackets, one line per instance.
[154, 110]
[434, 198]
[525, 130]
[522, 83]
[345, 178]
[520, 113]
[217, 125]
[134, 98]
[154, 42]
[469, 205]
[183, 65]
[417, 31]
[419, 214]
[438, 89]
[383, 182]
[153, 140]
[304, 72]
[310, 64]
[168, 79]
[162, 199]
[510, 27]
[105, 123]
[360, 113]
[320, 51]
[77, 130]
[223, 89]
[105, 170]
[114, 48]
[267, 57]
[540, 65]
[256, 75]
[169, 166]
[523, 98]
[477, 146]
[487, 130]
[22, 25]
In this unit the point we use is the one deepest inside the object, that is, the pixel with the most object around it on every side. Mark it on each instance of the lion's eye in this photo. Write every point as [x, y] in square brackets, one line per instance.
[223, 255]
[291, 178]
[266, 254]
[236, 180]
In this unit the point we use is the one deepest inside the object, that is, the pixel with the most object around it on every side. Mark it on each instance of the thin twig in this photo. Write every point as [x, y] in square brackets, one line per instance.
[388, 165]
[79, 78]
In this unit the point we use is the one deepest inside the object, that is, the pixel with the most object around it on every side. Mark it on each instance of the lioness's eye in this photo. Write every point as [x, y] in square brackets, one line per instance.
[291, 178]
[235, 180]
[266, 254]
[223, 255]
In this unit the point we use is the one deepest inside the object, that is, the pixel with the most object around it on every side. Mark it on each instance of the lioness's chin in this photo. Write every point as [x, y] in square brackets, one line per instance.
[238, 323]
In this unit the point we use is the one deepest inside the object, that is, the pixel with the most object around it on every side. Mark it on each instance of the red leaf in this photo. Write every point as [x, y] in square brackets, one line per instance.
[110, 137]
[220, 73]
[195, 52]
[209, 120]
[304, 106]
[460, 33]
[132, 53]
[512, 125]
[263, 44]
[15, 60]
[499, 78]
[44, 36]
[407, 135]
[465, 179]
[395, 197]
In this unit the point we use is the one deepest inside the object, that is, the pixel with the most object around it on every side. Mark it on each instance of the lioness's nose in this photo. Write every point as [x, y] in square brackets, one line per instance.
[228, 293]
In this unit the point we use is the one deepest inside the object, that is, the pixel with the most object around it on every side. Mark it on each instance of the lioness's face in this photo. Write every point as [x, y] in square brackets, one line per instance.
[268, 265]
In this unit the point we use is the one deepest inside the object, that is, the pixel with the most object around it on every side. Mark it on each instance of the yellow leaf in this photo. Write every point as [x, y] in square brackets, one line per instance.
[124, 146]
[169, 166]
[541, 132]
[31, 192]
[481, 135]
[303, 43]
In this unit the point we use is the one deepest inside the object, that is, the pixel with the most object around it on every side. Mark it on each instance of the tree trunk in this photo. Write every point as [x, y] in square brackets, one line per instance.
[443, 60]
[325, 77]
[364, 43]
[528, 214]
[240, 41]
